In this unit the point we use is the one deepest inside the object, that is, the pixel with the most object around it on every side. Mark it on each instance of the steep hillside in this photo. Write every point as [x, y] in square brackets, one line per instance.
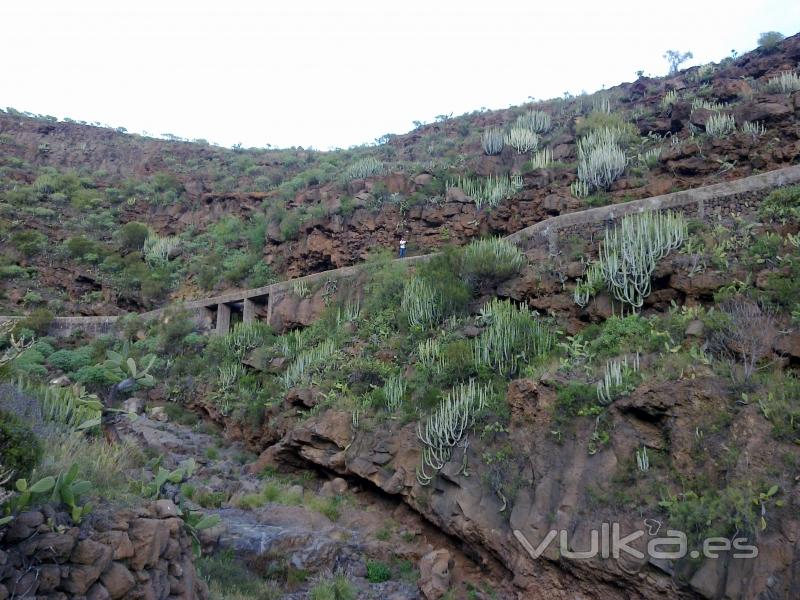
[605, 405]
[246, 217]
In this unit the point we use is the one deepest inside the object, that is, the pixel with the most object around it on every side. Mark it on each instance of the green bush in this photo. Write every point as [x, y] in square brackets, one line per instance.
[38, 321]
[30, 363]
[378, 572]
[81, 246]
[71, 360]
[95, 376]
[599, 120]
[20, 449]
[490, 261]
[131, 236]
[29, 243]
[618, 335]
[442, 273]
[782, 204]
[338, 588]
[769, 40]
[290, 226]
[12, 271]
[713, 513]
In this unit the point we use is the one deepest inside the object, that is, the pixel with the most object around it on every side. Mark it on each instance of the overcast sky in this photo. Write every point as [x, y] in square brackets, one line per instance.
[328, 74]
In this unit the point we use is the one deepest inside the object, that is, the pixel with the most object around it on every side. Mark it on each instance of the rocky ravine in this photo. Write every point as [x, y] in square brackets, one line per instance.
[554, 476]
[307, 539]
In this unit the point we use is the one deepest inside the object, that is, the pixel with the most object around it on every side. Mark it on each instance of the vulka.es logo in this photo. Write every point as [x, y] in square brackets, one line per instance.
[608, 542]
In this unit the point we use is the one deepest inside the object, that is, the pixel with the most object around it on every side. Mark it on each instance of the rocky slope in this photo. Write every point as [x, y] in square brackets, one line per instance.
[333, 222]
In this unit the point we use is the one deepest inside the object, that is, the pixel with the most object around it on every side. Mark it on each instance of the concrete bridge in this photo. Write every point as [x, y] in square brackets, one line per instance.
[217, 312]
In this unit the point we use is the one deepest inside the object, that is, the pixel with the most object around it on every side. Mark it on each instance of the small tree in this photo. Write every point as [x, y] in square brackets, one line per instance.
[747, 335]
[676, 58]
[769, 40]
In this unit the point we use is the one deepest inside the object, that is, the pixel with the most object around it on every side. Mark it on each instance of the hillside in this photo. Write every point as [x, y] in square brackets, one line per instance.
[606, 345]
[246, 217]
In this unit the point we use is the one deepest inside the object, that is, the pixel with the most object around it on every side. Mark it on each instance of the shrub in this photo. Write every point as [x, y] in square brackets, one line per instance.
[597, 121]
[70, 360]
[443, 272]
[618, 335]
[132, 236]
[676, 58]
[338, 588]
[20, 450]
[95, 376]
[769, 40]
[378, 572]
[492, 260]
[80, 246]
[290, 226]
[29, 243]
[38, 321]
[782, 204]
[571, 398]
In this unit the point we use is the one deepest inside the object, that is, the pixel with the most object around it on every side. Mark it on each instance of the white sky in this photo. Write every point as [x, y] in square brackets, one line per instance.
[327, 74]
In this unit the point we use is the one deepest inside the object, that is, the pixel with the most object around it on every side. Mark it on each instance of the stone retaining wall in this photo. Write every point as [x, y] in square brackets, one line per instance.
[704, 203]
[144, 553]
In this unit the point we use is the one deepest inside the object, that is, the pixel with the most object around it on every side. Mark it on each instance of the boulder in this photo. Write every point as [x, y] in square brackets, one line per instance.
[334, 487]
[434, 574]
[159, 414]
[62, 381]
[695, 329]
[134, 405]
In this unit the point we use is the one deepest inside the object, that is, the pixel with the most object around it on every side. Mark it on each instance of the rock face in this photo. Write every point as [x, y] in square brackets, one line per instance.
[552, 477]
[112, 555]
[434, 574]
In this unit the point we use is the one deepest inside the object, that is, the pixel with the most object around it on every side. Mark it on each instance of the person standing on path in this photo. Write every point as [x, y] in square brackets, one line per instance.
[402, 248]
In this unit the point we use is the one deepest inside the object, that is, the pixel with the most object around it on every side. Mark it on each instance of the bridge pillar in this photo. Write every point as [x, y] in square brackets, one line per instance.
[223, 319]
[249, 311]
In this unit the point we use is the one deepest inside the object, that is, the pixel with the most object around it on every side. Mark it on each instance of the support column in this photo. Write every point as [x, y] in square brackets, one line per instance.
[249, 311]
[223, 319]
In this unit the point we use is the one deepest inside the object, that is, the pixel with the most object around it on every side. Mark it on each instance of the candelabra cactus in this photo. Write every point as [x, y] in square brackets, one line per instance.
[616, 379]
[421, 303]
[447, 426]
[542, 159]
[629, 253]
[492, 190]
[493, 141]
[600, 159]
[535, 120]
[394, 389]
[522, 139]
